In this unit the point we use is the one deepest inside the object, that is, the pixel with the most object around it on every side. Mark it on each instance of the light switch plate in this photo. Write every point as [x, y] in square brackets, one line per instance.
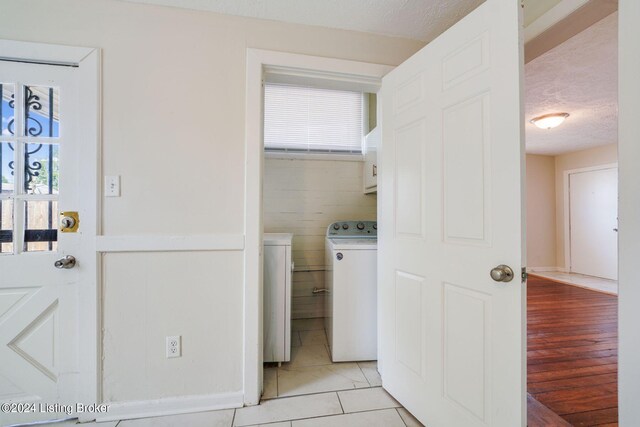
[112, 186]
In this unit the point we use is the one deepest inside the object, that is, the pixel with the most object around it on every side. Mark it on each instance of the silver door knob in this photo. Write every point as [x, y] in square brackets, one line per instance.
[502, 273]
[67, 262]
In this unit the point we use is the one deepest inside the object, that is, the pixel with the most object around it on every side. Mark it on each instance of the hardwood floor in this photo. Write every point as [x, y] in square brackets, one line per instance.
[572, 352]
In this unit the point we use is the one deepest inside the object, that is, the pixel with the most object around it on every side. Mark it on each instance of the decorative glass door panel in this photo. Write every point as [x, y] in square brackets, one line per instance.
[29, 167]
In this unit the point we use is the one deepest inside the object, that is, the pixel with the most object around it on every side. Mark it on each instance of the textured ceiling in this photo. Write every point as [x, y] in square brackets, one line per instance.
[579, 77]
[414, 19]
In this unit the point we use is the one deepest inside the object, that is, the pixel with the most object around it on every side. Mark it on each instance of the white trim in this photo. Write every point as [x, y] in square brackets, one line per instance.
[89, 298]
[167, 406]
[542, 269]
[567, 208]
[257, 61]
[44, 53]
[629, 212]
[314, 156]
[204, 242]
[552, 17]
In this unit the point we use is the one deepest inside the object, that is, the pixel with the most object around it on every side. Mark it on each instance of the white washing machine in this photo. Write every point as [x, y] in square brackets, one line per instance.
[351, 285]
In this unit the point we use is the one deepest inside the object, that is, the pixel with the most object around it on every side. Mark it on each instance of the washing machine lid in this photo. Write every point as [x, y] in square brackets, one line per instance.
[277, 239]
[353, 244]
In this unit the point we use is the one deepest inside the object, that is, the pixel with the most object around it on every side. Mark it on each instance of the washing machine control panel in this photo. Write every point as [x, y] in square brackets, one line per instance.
[353, 229]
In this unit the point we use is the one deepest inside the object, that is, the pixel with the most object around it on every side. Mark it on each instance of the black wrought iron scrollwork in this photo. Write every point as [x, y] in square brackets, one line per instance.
[12, 104]
[32, 126]
[31, 168]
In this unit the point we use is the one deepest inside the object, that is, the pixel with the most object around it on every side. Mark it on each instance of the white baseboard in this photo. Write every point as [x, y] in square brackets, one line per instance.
[168, 406]
[542, 269]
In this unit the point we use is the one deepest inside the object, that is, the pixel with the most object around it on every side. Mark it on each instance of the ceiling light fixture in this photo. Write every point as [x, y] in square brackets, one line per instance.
[549, 121]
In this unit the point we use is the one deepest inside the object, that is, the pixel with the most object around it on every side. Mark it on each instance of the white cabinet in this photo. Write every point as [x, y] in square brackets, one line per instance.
[370, 178]
[277, 297]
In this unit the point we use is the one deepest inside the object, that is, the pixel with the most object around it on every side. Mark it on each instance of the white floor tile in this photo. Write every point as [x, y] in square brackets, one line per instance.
[282, 424]
[384, 418]
[581, 280]
[270, 383]
[307, 324]
[76, 424]
[295, 339]
[292, 408]
[409, 419]
[370, 371]
[366, 399]
[317, 337]
[201, 419]
[318, 379]
[308, 355]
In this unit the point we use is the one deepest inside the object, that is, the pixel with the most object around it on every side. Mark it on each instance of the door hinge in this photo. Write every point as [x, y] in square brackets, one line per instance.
[524, 275]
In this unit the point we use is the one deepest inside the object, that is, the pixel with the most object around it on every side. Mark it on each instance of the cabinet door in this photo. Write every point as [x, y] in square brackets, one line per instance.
[370, 172]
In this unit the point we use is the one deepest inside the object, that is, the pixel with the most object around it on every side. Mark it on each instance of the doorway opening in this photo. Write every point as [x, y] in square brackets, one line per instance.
[572, 230]
[320, 243]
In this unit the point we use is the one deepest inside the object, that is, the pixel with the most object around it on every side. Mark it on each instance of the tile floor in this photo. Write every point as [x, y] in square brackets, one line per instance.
[309, 391]
[588, 282]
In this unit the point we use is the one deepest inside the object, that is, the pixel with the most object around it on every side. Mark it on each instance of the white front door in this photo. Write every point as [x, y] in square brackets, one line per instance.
[39, 166]
[593, 211]
[452, 339]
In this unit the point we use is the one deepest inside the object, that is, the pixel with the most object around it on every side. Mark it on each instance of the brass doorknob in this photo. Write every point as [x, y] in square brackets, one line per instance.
[502, 273]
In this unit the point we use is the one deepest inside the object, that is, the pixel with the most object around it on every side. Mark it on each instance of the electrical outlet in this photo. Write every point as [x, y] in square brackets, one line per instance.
[174, 346]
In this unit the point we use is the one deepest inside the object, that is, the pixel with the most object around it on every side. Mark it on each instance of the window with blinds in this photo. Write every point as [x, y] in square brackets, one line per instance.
[312, 120]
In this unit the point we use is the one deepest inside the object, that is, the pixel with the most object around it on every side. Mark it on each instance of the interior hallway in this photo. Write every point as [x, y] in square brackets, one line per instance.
[572, 354]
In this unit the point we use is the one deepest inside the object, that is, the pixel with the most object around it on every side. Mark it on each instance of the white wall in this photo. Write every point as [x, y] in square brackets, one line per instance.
[541, 211]
[303, 197]
[603, 155]
[173, 127]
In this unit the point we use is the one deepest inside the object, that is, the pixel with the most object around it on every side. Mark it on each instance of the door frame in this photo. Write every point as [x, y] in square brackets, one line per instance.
[628, 212]
[88, 61]
[301, 68]
[567, 207]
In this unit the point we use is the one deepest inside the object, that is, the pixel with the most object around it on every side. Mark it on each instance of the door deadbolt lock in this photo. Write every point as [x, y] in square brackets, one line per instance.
[69, 222]
[502, 273]
[339, 256]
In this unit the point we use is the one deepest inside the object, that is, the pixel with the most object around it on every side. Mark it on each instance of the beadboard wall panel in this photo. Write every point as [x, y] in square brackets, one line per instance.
[303, 197]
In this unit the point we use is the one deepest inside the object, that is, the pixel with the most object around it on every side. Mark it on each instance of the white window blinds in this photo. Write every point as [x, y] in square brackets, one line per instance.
[307, 119]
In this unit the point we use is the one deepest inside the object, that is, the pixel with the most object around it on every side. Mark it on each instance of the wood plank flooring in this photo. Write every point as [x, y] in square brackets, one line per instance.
[572, 352]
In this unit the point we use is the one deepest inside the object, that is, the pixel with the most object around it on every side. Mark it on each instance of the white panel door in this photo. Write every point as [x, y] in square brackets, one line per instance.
[451, 339]
[593, 207]
[39, 166]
